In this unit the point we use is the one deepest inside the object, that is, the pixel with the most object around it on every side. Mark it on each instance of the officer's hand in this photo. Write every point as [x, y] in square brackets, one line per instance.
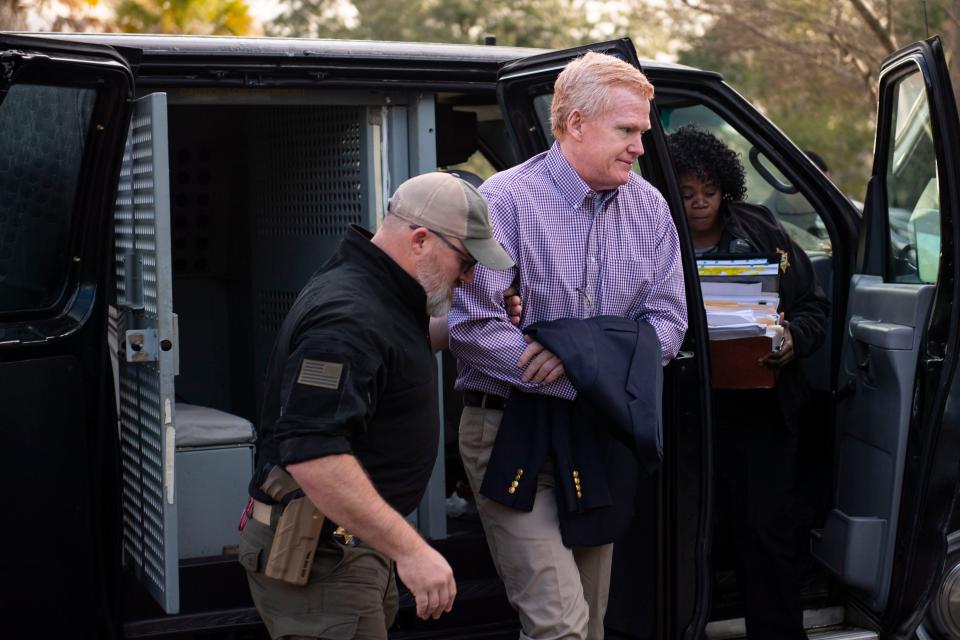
[777, 359]
[539, 364]
[430, 580]
[511, 300]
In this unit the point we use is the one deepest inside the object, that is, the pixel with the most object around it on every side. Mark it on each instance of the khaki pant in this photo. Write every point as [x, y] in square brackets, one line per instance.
[559, 592]
[351, 592]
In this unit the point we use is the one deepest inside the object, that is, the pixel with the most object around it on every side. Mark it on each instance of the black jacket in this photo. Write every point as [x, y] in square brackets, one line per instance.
[596, 441]
[352, 371]
[801, 299]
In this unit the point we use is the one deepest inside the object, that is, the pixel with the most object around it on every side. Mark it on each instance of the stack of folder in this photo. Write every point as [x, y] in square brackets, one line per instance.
[740, 296]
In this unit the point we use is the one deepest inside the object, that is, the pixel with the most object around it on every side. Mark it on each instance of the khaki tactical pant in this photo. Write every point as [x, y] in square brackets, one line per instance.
[351, 592]
[559, 592]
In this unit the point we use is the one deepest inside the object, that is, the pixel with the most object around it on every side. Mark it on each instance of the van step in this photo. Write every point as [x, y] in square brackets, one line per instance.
[844, 633]
[821, 624]
[839, 632]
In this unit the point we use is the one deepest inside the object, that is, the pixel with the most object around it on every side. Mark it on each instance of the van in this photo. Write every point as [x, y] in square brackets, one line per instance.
[163, 199]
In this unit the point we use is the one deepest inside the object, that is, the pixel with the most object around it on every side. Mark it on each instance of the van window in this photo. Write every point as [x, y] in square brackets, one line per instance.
[766, 184]
[913, 190]
[42, 135]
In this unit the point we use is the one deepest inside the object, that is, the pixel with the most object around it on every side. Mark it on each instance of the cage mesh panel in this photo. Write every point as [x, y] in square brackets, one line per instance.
[141, 231]
[306, 170]
[307, 185]
[273, 306]
[201, 175]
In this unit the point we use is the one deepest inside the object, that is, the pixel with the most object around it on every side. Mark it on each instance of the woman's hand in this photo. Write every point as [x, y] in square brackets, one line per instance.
[777, 359]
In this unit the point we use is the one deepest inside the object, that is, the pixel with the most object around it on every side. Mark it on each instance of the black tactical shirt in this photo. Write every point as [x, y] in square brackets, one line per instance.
[352, 372]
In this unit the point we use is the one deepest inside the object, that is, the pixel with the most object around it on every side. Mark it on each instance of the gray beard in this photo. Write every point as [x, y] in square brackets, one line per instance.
[439, 293]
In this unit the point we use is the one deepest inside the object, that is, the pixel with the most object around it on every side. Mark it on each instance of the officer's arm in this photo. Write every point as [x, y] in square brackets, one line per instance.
[331, 387]
[340, 489]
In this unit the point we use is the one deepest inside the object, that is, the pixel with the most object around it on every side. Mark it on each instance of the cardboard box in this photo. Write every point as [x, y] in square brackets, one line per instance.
[734, 365]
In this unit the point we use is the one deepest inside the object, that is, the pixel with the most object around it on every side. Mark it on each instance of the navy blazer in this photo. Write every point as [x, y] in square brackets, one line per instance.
[597, 441]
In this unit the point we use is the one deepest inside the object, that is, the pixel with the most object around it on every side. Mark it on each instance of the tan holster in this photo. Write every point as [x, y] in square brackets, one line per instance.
[297, 533]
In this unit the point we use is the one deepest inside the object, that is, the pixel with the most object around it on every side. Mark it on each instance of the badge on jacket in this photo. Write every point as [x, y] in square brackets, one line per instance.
[784, 260]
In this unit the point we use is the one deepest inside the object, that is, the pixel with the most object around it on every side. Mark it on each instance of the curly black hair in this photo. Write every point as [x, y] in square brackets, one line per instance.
[698, 152]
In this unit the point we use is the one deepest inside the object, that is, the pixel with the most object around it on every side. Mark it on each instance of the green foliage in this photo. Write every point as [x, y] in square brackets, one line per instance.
[528, 23]
[201, 17]
[810, 65]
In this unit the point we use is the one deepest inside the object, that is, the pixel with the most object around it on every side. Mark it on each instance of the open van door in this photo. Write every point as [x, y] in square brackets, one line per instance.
[64, 111]
[898, 436]
[660, 582]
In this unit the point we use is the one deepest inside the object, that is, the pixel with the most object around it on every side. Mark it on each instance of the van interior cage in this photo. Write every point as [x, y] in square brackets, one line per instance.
[221, 218]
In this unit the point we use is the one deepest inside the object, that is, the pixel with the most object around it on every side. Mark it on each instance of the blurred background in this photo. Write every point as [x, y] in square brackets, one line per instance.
[810, 65]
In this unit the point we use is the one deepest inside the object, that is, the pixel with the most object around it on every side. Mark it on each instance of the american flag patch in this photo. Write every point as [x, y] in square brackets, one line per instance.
[317, 373]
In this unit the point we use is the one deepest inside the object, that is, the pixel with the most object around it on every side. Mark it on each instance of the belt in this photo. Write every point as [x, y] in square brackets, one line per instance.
[484, 400]
[262, 513]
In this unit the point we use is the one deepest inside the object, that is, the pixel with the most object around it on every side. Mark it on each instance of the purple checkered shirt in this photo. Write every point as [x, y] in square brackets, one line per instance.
[578, 254]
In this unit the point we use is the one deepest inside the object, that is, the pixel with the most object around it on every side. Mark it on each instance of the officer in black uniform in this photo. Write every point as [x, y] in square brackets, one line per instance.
[756, 429]
[350, 419]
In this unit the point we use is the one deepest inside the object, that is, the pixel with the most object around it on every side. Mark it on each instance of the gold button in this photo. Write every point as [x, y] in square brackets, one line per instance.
[576, 474]
[519, 472]
[579, 495]
[514, 484]
[512, 490]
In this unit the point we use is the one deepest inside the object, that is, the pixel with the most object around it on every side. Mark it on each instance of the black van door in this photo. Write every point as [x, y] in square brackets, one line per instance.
[64, 112]
[660, 582]
[898, 438]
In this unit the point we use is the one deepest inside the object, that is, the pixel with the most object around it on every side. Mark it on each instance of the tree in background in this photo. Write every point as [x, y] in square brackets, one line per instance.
[528, 23]
[12, 15]
[54, 15]
[200, 17]
[811, 65]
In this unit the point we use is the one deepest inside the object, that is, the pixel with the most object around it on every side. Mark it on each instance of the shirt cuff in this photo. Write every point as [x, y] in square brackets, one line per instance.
[308, 447]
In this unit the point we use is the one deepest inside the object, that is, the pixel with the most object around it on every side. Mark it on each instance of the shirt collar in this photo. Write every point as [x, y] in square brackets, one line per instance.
[356, 244]
[569, 183]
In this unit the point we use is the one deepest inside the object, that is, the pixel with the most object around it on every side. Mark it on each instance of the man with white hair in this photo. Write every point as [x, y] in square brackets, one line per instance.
[350, 422]
[589, 237]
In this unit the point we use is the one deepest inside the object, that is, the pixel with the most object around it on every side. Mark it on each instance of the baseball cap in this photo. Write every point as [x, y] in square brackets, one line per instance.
[446, 204]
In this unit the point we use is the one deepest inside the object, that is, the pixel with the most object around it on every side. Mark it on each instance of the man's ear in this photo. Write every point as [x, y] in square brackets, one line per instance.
[418, 241]
[574, 122]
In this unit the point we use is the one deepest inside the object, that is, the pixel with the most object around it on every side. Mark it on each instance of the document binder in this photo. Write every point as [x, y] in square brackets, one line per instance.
[740, 294]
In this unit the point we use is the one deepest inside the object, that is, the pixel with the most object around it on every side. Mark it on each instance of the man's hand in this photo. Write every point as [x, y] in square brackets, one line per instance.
[777, 359]
[511, 300]
[430, 580]
[539, 365]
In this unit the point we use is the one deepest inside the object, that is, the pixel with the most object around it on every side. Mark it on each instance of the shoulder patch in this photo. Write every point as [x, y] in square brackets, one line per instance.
[318, 373]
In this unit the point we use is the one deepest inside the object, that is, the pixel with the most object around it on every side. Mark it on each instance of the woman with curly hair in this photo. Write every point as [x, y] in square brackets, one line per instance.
[755, 429]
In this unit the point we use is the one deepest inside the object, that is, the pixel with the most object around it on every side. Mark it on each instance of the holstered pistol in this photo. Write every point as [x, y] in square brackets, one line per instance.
[298, 531]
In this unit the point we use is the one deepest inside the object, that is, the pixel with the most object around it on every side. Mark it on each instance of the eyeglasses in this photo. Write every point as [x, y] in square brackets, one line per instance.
[467, 261]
